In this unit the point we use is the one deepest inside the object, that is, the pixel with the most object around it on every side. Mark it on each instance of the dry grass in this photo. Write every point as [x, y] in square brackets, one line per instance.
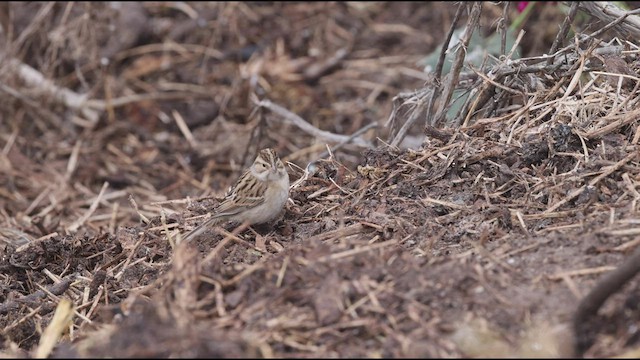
[480, 242]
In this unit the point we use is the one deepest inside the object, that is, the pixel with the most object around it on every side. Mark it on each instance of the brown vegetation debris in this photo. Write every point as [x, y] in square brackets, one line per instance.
[487, 230]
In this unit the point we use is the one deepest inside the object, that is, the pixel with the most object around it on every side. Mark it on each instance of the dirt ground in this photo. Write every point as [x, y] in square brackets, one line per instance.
[466, 244]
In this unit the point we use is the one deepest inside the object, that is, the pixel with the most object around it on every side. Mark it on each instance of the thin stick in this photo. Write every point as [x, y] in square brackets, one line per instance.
[593, 182]
[308, 128]
[580, 272]
[352, 252]
[412, 119]
[56, 289]
[184, 129]
[605, 287]
[228, 236]
[351, 137]
[445, 44]
[444, 203]
[564, 29]
[605, 11]
[474, 18]
[503, 27]
[627, 118]
[91, 210]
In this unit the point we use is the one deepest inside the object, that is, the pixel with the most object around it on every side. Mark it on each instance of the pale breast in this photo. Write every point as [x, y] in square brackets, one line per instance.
[275, 197]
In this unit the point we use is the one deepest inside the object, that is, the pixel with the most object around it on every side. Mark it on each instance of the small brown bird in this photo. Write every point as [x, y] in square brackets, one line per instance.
[257, 197]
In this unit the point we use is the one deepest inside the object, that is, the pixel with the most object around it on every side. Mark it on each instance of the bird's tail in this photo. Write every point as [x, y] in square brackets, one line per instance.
[201, 228]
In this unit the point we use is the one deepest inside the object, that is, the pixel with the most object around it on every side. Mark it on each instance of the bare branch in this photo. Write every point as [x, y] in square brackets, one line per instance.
[310, 129]
[474, 18]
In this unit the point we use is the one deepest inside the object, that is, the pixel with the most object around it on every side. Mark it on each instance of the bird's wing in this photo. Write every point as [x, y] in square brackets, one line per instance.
[245, 195]
[234, 203]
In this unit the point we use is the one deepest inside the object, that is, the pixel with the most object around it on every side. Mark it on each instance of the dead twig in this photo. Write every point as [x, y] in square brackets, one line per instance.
[424, 105]
[608, 171]
[622, 21]
[33, 78]
[456, 68]
[308, 128]
[74, 227]
[564, 29]
[590, 304]
[33, 298]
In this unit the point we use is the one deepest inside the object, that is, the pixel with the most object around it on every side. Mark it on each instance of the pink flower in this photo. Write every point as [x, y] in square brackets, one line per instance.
[522, 5]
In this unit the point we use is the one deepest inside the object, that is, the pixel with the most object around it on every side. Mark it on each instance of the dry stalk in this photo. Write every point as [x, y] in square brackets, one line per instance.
[456, 68]
[308, 128]
[34, 298]
[625, 22]
[432, 93]
[591, 303]
[564, 29]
